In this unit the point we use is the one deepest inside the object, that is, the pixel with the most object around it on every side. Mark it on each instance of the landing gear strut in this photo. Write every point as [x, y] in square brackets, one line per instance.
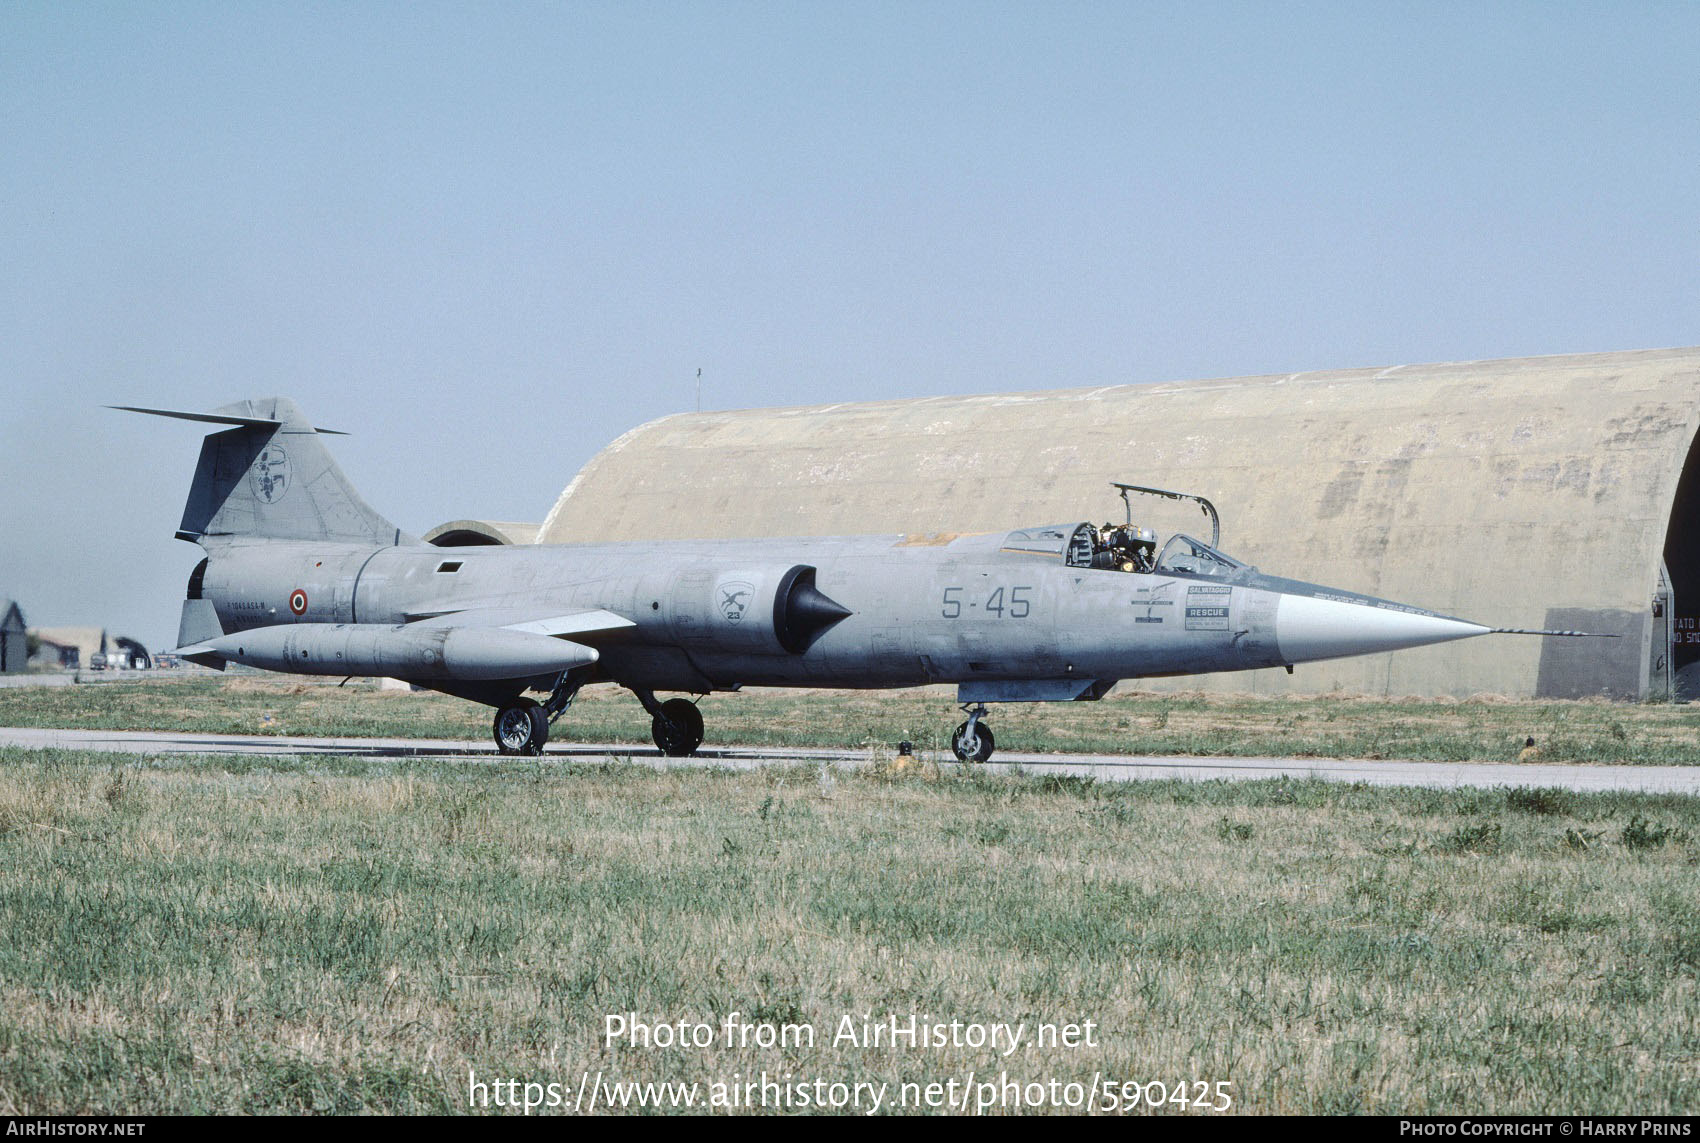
[676, 725]
[973, 741]
[566, 690]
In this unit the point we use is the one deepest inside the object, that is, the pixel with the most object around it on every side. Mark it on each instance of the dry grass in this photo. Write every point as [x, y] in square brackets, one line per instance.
[337, 934]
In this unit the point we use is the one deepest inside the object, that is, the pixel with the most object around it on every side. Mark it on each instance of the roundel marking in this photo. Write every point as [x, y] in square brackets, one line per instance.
[298, 601]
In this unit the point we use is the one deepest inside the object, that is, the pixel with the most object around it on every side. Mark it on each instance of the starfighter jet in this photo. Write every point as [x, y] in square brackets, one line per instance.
[301, 576]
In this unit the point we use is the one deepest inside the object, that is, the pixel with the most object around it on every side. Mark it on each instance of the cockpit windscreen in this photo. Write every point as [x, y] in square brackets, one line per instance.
[1185, 554]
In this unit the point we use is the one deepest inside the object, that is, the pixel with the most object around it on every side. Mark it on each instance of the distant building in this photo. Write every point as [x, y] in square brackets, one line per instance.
[14, 639]
[49, 652]
[481, 533]
[126, 652]
[70, 648]
[88, 649]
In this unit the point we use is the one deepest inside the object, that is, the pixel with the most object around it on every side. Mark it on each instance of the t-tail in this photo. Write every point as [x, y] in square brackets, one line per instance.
[268, 477]
[271, 477]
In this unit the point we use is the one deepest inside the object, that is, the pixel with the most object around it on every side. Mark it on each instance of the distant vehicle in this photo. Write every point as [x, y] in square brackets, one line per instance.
[97, 662]
[302, 576]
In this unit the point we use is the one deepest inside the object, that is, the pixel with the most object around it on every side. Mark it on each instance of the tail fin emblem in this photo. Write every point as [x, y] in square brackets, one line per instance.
[270, 474]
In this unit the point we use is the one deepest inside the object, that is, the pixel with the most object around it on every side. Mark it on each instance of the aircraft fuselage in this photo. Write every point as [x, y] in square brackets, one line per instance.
[705, 614]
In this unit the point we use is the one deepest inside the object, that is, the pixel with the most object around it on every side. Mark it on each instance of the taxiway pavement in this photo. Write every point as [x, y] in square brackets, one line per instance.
[1437, 775]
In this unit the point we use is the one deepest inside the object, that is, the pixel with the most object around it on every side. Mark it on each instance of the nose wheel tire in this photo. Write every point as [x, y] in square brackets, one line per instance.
[972, 746]
[521, 727]
[677, 728]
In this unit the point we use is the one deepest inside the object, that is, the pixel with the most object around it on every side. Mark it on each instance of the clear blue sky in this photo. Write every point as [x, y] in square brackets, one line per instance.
[486, 239]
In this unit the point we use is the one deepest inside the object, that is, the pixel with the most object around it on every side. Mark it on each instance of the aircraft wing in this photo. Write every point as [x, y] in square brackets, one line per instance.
[570, 625]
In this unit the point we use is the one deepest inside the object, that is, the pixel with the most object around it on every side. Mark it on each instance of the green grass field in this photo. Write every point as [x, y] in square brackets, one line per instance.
[1486, 729]
[334, 934]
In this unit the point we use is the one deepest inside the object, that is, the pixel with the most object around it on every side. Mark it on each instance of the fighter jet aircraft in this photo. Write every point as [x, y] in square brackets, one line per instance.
[302, 576]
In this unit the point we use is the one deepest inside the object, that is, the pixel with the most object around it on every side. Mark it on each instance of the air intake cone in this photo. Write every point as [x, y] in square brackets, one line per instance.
[801, 612]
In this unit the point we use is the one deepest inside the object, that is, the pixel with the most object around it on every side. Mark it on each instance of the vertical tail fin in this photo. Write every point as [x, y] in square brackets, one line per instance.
[271, 476]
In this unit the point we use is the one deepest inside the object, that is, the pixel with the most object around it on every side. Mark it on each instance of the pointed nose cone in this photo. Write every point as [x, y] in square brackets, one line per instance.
[1308, 628]
[803, 613]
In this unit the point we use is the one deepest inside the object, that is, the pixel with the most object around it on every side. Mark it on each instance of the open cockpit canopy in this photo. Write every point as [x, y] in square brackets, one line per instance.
[1128, 547]
[1120, 547]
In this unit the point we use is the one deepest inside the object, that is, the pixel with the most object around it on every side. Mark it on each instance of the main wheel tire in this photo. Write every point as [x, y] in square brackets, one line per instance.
[976, 750]
[521, 727]
[677, 729]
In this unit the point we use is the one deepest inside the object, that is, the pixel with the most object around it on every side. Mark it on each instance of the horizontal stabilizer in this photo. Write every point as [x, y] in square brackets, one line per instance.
[216, 418]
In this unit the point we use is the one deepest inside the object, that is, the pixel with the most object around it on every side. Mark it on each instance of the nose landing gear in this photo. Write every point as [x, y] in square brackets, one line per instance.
[973, 740]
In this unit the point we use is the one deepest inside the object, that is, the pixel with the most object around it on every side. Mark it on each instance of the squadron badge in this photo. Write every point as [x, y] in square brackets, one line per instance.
[269, 475]
[735, 600]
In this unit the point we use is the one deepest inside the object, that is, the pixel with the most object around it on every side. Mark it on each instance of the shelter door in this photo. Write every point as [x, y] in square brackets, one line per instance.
[1661, 651]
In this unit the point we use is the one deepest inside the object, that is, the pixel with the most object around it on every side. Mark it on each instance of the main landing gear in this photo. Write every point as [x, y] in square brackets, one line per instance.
[973, 741]
[522, 726]
[676, 725]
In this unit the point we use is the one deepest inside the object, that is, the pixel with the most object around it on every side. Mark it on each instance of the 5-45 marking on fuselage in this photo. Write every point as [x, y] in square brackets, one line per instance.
[1010, 603]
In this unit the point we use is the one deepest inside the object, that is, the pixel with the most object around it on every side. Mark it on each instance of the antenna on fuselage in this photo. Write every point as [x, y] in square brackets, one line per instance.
[1209, 508]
